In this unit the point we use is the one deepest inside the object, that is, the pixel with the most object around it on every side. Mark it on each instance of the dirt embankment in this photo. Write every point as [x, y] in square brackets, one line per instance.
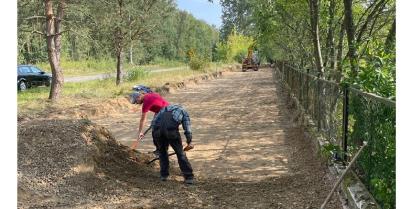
[73, 163]
[248, 154]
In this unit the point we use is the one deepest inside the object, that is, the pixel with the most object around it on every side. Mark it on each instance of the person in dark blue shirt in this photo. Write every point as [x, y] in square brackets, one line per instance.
[166, 132]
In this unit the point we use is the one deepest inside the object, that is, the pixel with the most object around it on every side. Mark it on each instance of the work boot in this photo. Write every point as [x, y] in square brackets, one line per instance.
[189, 181]
[163, 178]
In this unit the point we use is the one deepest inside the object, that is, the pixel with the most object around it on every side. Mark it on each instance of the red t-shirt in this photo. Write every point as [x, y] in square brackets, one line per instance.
[153, 102]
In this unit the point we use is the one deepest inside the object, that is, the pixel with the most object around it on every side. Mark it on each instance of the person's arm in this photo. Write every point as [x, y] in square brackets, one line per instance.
[141, 125]
[187, 128]
[140, 129]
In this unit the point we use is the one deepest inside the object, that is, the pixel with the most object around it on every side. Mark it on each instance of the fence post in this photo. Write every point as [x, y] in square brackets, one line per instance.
[345, 122]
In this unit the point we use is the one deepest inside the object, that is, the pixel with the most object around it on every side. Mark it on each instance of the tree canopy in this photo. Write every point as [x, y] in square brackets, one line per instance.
[356, 39]
[88, 31]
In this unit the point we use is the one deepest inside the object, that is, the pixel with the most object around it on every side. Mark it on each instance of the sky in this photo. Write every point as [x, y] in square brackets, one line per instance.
[203, 10]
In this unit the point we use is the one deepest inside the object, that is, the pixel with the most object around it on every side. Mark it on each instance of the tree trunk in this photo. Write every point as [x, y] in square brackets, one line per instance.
[339, 58]
[352, 46]
[390, 41]
[119, 39]
[57, 25]
[314, 11]
[53, 37]
[330, 46]
[74, 50]
[377, 7]
[119, 77]
[26, 52]
[119, 55]
[131, 53]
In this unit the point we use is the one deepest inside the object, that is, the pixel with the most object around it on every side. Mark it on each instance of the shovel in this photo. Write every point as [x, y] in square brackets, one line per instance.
[141, 139]
[187, 148]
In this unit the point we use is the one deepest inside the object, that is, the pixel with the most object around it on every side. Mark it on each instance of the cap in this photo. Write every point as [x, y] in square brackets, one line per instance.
[133, 97]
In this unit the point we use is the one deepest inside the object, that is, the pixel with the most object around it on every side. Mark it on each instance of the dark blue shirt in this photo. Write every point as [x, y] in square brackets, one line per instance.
[180, 116]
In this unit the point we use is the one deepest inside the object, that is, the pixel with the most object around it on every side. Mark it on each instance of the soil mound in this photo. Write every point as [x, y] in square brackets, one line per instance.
[61, 161]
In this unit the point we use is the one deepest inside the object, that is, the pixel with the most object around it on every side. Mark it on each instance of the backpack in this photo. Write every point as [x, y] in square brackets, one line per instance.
[142, 88]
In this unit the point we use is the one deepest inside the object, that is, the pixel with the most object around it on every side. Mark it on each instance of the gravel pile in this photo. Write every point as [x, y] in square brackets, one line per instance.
[60, 162]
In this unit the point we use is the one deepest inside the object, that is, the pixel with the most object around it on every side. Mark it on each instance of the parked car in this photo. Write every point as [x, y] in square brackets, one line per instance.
[30, 76]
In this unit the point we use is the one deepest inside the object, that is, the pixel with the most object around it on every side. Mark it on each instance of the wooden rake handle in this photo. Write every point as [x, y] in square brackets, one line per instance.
[187, 148]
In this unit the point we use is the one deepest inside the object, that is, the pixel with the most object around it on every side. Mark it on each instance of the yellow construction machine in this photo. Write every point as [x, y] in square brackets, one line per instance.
[251, 61]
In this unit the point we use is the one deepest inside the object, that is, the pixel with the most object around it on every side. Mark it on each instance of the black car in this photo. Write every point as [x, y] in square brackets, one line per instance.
[29, 76]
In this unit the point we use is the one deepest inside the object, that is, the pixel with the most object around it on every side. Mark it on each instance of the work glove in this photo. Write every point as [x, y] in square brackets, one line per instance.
[188, 147]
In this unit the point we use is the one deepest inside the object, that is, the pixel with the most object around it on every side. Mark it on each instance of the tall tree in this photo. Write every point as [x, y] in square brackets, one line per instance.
[53, 36]
[314, 15]
[340, 49]
[236, 16]
[330, 46]
[390, 40]
[30, 30]
[130, 21]
[350, 29]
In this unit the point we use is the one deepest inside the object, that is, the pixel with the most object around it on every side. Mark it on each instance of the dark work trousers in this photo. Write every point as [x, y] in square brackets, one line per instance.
[152, 134]
[165, 136]
[155, 140]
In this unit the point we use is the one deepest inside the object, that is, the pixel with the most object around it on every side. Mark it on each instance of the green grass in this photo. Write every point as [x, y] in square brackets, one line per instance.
[165, 63]
[93, 67]
[83, 67]
[36, 99]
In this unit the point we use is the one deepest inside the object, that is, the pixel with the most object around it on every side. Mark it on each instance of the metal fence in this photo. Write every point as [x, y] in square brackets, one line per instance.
[346, 117]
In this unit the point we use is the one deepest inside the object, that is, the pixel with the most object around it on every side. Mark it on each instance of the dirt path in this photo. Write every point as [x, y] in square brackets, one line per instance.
[248, 153]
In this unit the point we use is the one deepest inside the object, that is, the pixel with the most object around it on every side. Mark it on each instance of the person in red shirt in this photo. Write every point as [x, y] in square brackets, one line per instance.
[151, 102]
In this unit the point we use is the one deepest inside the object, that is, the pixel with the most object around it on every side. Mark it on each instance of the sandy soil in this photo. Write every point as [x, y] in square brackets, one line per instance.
[248, 154]
[244, 136]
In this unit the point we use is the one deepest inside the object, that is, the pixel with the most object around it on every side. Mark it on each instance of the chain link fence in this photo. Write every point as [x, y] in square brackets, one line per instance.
[346, 117]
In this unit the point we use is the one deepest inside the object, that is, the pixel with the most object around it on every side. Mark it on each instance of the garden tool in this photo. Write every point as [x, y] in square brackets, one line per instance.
[187, 148]
[141, 138]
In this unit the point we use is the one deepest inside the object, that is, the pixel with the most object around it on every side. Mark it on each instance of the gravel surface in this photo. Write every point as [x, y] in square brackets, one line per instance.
[248, 154]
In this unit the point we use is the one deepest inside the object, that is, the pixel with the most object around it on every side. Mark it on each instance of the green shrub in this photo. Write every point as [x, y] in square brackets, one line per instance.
[198, 63]
[240, 56]
[137, 74]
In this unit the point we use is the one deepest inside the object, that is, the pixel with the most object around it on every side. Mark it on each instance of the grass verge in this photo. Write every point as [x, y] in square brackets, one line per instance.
[93, 67]
[36, 99]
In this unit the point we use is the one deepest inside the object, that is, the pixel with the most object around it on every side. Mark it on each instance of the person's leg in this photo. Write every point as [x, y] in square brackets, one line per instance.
[163, 155]
[155, 142]
[183, 162]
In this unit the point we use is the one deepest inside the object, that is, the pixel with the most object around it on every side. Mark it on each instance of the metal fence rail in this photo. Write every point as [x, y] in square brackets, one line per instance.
[346, 116]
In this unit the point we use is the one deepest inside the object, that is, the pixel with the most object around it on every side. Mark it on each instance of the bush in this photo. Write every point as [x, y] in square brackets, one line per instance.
[197, 63]
[240, 56]
[137, 74]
